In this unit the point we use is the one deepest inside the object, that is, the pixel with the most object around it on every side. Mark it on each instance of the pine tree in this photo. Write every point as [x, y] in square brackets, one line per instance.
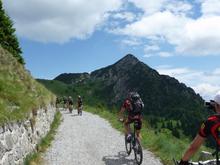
[8, 39]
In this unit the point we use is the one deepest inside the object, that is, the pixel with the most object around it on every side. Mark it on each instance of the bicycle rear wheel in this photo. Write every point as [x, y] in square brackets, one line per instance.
[127, 146]
[138, 153]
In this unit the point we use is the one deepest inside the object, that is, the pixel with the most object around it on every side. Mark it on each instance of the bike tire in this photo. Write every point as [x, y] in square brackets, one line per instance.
[175, 162]
[138, 153]
[128, 146]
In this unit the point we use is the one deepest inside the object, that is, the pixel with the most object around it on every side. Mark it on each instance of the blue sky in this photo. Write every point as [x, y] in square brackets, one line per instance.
[180, 38]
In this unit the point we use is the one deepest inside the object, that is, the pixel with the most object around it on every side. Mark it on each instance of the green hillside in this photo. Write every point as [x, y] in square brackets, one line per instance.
[19, 92]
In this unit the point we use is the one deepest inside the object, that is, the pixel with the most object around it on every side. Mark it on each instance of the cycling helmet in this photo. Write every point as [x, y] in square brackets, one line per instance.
[217, 98]
[134, 96]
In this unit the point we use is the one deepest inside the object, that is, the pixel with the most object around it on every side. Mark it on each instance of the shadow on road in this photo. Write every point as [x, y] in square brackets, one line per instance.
[75, 115]
[67, 112]
[119, 159]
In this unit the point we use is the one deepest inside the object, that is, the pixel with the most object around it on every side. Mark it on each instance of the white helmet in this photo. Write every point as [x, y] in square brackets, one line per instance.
[217, 98]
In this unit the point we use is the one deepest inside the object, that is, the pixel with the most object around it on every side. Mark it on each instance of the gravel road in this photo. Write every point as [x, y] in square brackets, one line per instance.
[90, 140]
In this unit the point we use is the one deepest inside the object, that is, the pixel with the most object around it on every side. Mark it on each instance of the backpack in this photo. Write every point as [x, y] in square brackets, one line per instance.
[137, 104]
[80, 102]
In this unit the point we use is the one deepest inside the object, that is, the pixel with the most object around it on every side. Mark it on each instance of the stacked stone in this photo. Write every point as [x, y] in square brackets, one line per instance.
[19, 139]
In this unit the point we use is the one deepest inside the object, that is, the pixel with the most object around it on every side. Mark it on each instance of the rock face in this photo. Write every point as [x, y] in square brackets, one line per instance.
[19, 139]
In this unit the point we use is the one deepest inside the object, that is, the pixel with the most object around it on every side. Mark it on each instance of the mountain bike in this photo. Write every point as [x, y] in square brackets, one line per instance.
[135, 145]
[80, 110]
[70, 107]
[207, 162]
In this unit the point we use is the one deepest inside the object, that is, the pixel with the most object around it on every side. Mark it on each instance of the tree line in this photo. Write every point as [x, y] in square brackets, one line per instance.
[8, 39]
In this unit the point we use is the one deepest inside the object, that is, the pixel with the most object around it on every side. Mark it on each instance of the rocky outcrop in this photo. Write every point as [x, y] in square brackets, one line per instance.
[19, 139]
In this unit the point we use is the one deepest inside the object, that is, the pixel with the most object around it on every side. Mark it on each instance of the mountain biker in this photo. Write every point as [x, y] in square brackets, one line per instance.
[64, 102]
[70, 103]
[209, 127]
[79, 105]
[134, 113]
[57, 102]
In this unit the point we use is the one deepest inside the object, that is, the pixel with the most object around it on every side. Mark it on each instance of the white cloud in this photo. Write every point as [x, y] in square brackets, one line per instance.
[148, 55]
[149, 6]
[165, 54]
[201, 37]
[58, 21]
[204, 83]
[170, 22]
[210, 7]
[153, 6]
[131, 42]
[128, 16]
[158, 24]
[150, 48]
[168, 70]
[208, 91]
[179, 7]
[217, 71]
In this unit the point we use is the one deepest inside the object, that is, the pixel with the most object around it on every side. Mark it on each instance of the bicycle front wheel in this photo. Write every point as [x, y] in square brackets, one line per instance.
[138, 153]
[127, 146]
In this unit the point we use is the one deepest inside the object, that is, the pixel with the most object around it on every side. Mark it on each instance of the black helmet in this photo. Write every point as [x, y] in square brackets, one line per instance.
[134, 96]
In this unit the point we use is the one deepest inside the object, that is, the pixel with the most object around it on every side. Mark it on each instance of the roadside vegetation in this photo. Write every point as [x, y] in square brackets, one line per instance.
[35, 158]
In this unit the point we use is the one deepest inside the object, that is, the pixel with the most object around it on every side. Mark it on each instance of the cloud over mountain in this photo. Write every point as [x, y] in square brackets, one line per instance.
[58, 21]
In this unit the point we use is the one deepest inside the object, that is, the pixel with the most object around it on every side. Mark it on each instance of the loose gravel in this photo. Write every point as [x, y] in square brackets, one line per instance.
[90, 140]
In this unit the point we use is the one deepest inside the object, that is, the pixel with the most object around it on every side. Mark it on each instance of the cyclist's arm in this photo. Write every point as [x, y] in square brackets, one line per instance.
[194, 146]
[121, 112]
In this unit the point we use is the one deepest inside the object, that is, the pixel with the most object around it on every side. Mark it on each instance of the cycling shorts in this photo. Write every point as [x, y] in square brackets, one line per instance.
[131, 119]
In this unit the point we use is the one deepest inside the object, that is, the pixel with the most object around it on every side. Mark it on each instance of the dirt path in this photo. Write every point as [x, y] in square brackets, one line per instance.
[90, 140]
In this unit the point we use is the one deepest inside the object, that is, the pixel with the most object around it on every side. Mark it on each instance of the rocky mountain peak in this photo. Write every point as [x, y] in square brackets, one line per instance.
[128, 60]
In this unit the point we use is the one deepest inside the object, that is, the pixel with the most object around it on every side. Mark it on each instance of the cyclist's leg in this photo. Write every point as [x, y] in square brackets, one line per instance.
[127, 127]
[138, 130]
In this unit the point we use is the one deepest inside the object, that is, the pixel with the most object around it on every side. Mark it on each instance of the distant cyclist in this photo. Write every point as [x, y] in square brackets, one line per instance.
[57, 102]
[65, 102]
[211, 127]
[70, 104]
[134, 105]
[79, 105]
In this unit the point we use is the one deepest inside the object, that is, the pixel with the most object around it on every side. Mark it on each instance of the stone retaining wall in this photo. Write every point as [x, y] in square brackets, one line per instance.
[19, 139]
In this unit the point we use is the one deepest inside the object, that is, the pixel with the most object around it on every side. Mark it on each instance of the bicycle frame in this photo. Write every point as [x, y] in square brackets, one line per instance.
[134, 133]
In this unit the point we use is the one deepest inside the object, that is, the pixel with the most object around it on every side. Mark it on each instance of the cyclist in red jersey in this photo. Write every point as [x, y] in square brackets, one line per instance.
[133, 105]
[210, 127]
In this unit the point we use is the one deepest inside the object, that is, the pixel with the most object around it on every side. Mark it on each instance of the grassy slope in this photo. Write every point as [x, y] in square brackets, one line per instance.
[19, 92]
[57, 87]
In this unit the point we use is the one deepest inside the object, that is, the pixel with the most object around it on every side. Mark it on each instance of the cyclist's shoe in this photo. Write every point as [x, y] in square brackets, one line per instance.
[183, 162]
[128, 138]
[138, 149]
